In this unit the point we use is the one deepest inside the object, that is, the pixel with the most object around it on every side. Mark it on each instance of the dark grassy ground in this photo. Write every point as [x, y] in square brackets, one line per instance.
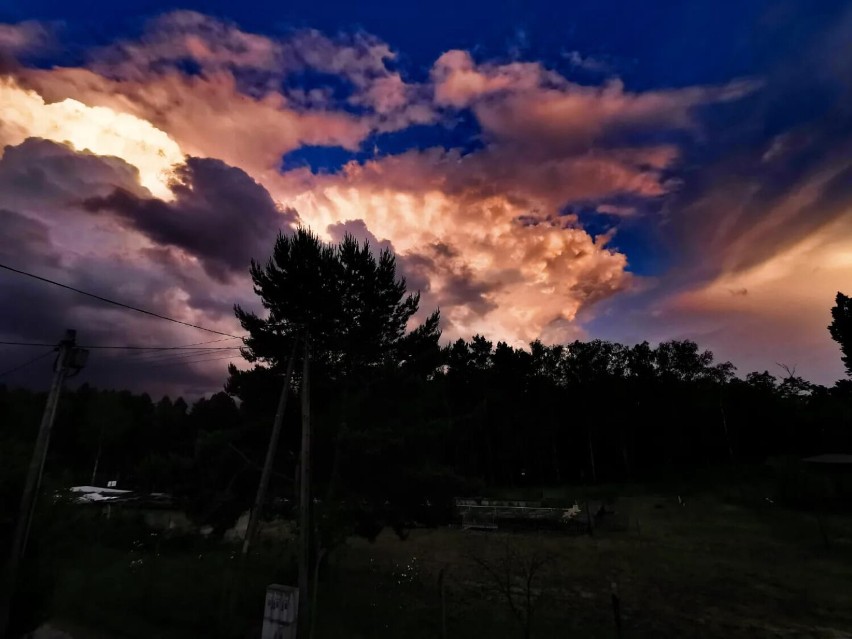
[716, 567]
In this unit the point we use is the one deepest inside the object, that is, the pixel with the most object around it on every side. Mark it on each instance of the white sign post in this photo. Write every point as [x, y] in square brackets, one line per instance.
[281, 612]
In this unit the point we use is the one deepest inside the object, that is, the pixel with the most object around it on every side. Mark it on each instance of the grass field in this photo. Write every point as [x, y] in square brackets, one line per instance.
[710, 568]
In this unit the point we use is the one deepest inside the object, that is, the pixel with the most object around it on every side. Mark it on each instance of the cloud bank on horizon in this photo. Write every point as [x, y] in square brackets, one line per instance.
[154, 170]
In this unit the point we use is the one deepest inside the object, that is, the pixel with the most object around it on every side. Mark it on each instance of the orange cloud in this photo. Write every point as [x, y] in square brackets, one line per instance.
[208, 115]
[486, 257]
[529, 106]
[483, 234]
[777, 310]
[215, 45]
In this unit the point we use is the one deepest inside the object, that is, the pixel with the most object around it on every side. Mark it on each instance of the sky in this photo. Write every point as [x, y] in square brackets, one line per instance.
[551, 171]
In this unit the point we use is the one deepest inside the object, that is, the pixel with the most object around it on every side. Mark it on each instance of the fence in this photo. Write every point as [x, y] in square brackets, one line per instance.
[488, 514]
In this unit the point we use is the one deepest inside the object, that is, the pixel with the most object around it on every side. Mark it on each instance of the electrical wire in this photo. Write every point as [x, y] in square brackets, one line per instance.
[193, 346]
[196, 357]
[27, 363]
[197, 361]
[26, 344]
[174, 357]
[163, 348]
[109, 301]
[142, 348]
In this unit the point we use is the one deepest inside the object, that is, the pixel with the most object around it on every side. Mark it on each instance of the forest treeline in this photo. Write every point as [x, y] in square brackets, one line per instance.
[402, 424]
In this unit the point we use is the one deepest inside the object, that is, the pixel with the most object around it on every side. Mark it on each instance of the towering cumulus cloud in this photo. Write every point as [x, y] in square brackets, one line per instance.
[164, 157]
[24, 113]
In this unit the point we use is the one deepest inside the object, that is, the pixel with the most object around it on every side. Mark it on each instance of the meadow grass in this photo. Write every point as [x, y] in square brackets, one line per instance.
[703, 565]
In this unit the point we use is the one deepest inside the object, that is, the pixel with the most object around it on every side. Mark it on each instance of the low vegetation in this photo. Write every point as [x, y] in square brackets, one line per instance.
[726, 563]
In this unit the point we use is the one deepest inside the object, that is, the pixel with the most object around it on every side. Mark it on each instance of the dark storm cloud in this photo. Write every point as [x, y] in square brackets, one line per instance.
[37, 178]
[38, 312]
[358, 230]
[455, 284]
[458, 284]
[25, 241]
[39, 173]
[219, 214]
[463, 289]
[45, 232]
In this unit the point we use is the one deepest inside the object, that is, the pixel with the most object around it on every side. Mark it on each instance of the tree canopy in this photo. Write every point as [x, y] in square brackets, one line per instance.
[367, 356]
[403, 424]
[346, 298]
[841, 328]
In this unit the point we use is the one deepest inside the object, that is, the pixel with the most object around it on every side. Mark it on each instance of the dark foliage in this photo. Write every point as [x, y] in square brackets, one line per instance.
[402, 426]
[841, 328]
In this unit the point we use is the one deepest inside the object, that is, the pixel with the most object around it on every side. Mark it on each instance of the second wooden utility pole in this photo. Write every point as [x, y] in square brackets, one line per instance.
[254, 516]
[69, 360]
[305, 496]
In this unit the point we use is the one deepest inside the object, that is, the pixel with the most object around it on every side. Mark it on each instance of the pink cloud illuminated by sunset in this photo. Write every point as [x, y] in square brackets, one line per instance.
[135, 152]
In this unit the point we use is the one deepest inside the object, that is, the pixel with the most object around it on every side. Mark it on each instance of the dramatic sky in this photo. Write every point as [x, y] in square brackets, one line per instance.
[563, 170]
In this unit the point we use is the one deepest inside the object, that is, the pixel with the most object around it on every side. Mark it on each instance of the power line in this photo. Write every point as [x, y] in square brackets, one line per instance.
[27, 344]
[177, 354]
[213, 341]
[150, 358]
[121, 304]
[27, 363]
[137, 348]
[196, 361]
[191, 358]
[165, 348]
[143, 348]
[137, 358]
[195, 346]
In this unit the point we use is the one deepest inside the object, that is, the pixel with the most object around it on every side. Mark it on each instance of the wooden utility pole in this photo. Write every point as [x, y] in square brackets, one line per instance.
[305, 496]
[592, 456]
[97, 456]
[69, 361]
[260, 498]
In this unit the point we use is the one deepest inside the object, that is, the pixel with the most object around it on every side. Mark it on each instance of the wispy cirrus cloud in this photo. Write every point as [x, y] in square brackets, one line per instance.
[25, 37]
[761, 234]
